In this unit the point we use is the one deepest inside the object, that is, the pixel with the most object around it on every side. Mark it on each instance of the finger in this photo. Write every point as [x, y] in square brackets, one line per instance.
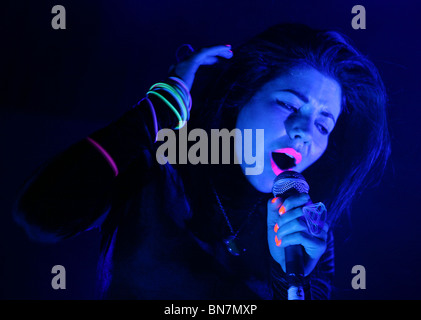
[302, 238]
[293, 226]
[184, 52]
[214, 50]
[208, 56]
[273, 206]
[209, 60]
[297, 200]
[289, 216]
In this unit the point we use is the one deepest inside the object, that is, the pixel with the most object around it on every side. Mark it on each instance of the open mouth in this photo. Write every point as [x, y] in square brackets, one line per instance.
[284, 159]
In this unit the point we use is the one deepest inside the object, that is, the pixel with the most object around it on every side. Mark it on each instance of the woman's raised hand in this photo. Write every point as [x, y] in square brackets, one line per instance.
[186, 68]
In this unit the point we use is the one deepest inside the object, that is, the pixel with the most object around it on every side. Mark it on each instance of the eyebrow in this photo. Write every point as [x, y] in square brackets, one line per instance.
[301, 96]
[305, 99]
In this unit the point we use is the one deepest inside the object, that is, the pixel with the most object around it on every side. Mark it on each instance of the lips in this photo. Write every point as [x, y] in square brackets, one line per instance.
[290, 159]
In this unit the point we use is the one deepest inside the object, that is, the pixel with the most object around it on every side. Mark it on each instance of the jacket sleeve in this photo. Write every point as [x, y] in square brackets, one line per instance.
[72, 192]
[317, 285]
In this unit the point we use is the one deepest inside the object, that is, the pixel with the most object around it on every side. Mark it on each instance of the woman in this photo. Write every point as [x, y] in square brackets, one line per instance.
[211, 231]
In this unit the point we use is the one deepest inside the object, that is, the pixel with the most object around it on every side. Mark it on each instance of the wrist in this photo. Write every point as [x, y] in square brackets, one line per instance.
[174, 94]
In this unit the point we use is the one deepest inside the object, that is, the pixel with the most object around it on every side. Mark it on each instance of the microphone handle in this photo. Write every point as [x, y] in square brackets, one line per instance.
[294, 265]
[294, 262]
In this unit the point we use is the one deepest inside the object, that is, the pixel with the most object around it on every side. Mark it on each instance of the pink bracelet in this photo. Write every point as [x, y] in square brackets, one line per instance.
[105, 155]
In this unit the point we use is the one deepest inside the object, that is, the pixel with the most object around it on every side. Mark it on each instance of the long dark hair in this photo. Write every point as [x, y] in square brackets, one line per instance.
[359, 146]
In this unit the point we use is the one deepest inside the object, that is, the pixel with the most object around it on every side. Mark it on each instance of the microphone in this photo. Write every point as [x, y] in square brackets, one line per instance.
[286, 184]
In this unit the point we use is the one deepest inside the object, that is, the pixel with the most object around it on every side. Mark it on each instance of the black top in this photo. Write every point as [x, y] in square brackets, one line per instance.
[163, 230]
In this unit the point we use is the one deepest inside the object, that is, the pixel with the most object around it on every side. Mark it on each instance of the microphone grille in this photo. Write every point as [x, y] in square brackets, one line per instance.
[288, 180]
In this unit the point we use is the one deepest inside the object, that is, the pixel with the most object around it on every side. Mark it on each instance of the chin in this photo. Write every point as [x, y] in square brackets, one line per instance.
[263, 182]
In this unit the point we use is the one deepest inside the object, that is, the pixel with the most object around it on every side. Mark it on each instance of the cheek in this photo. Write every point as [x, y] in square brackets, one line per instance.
[267, 117]
[318, 147]
[264, 118]
[274, 124]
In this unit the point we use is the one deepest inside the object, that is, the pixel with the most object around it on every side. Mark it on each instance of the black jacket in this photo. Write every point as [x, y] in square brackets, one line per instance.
[162, 228]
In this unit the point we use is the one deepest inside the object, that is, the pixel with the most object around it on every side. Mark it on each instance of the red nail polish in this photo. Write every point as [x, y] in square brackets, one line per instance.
[282, 210]
[278, 241]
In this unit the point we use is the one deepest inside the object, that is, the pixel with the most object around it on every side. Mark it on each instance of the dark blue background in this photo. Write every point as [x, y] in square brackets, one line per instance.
[60, 85]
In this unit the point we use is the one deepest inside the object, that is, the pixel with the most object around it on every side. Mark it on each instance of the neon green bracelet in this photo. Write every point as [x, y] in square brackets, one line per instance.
[181, 123]
[176, 95]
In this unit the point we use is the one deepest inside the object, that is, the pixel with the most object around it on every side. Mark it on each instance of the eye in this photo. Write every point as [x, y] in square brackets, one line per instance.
[287, 106]
[322, 129]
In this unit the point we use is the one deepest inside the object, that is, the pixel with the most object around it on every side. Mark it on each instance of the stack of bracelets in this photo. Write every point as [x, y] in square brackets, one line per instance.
[175, 90]
[178, 91]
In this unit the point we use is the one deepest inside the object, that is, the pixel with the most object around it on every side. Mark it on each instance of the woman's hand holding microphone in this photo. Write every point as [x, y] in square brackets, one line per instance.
[287, 226]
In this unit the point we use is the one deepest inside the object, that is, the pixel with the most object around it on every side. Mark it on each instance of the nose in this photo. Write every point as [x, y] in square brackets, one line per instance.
[299, 129]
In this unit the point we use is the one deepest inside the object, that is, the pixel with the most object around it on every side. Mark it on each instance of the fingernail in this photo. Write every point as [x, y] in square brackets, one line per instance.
[278, 241]
[228, 45]
[282, 210]
[276, 228]
[274, 200]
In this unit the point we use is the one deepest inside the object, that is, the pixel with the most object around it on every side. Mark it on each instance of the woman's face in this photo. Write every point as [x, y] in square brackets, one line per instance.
[297, 111]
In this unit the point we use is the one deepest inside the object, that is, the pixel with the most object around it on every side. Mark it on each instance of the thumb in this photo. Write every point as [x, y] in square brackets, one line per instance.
[184, 52]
